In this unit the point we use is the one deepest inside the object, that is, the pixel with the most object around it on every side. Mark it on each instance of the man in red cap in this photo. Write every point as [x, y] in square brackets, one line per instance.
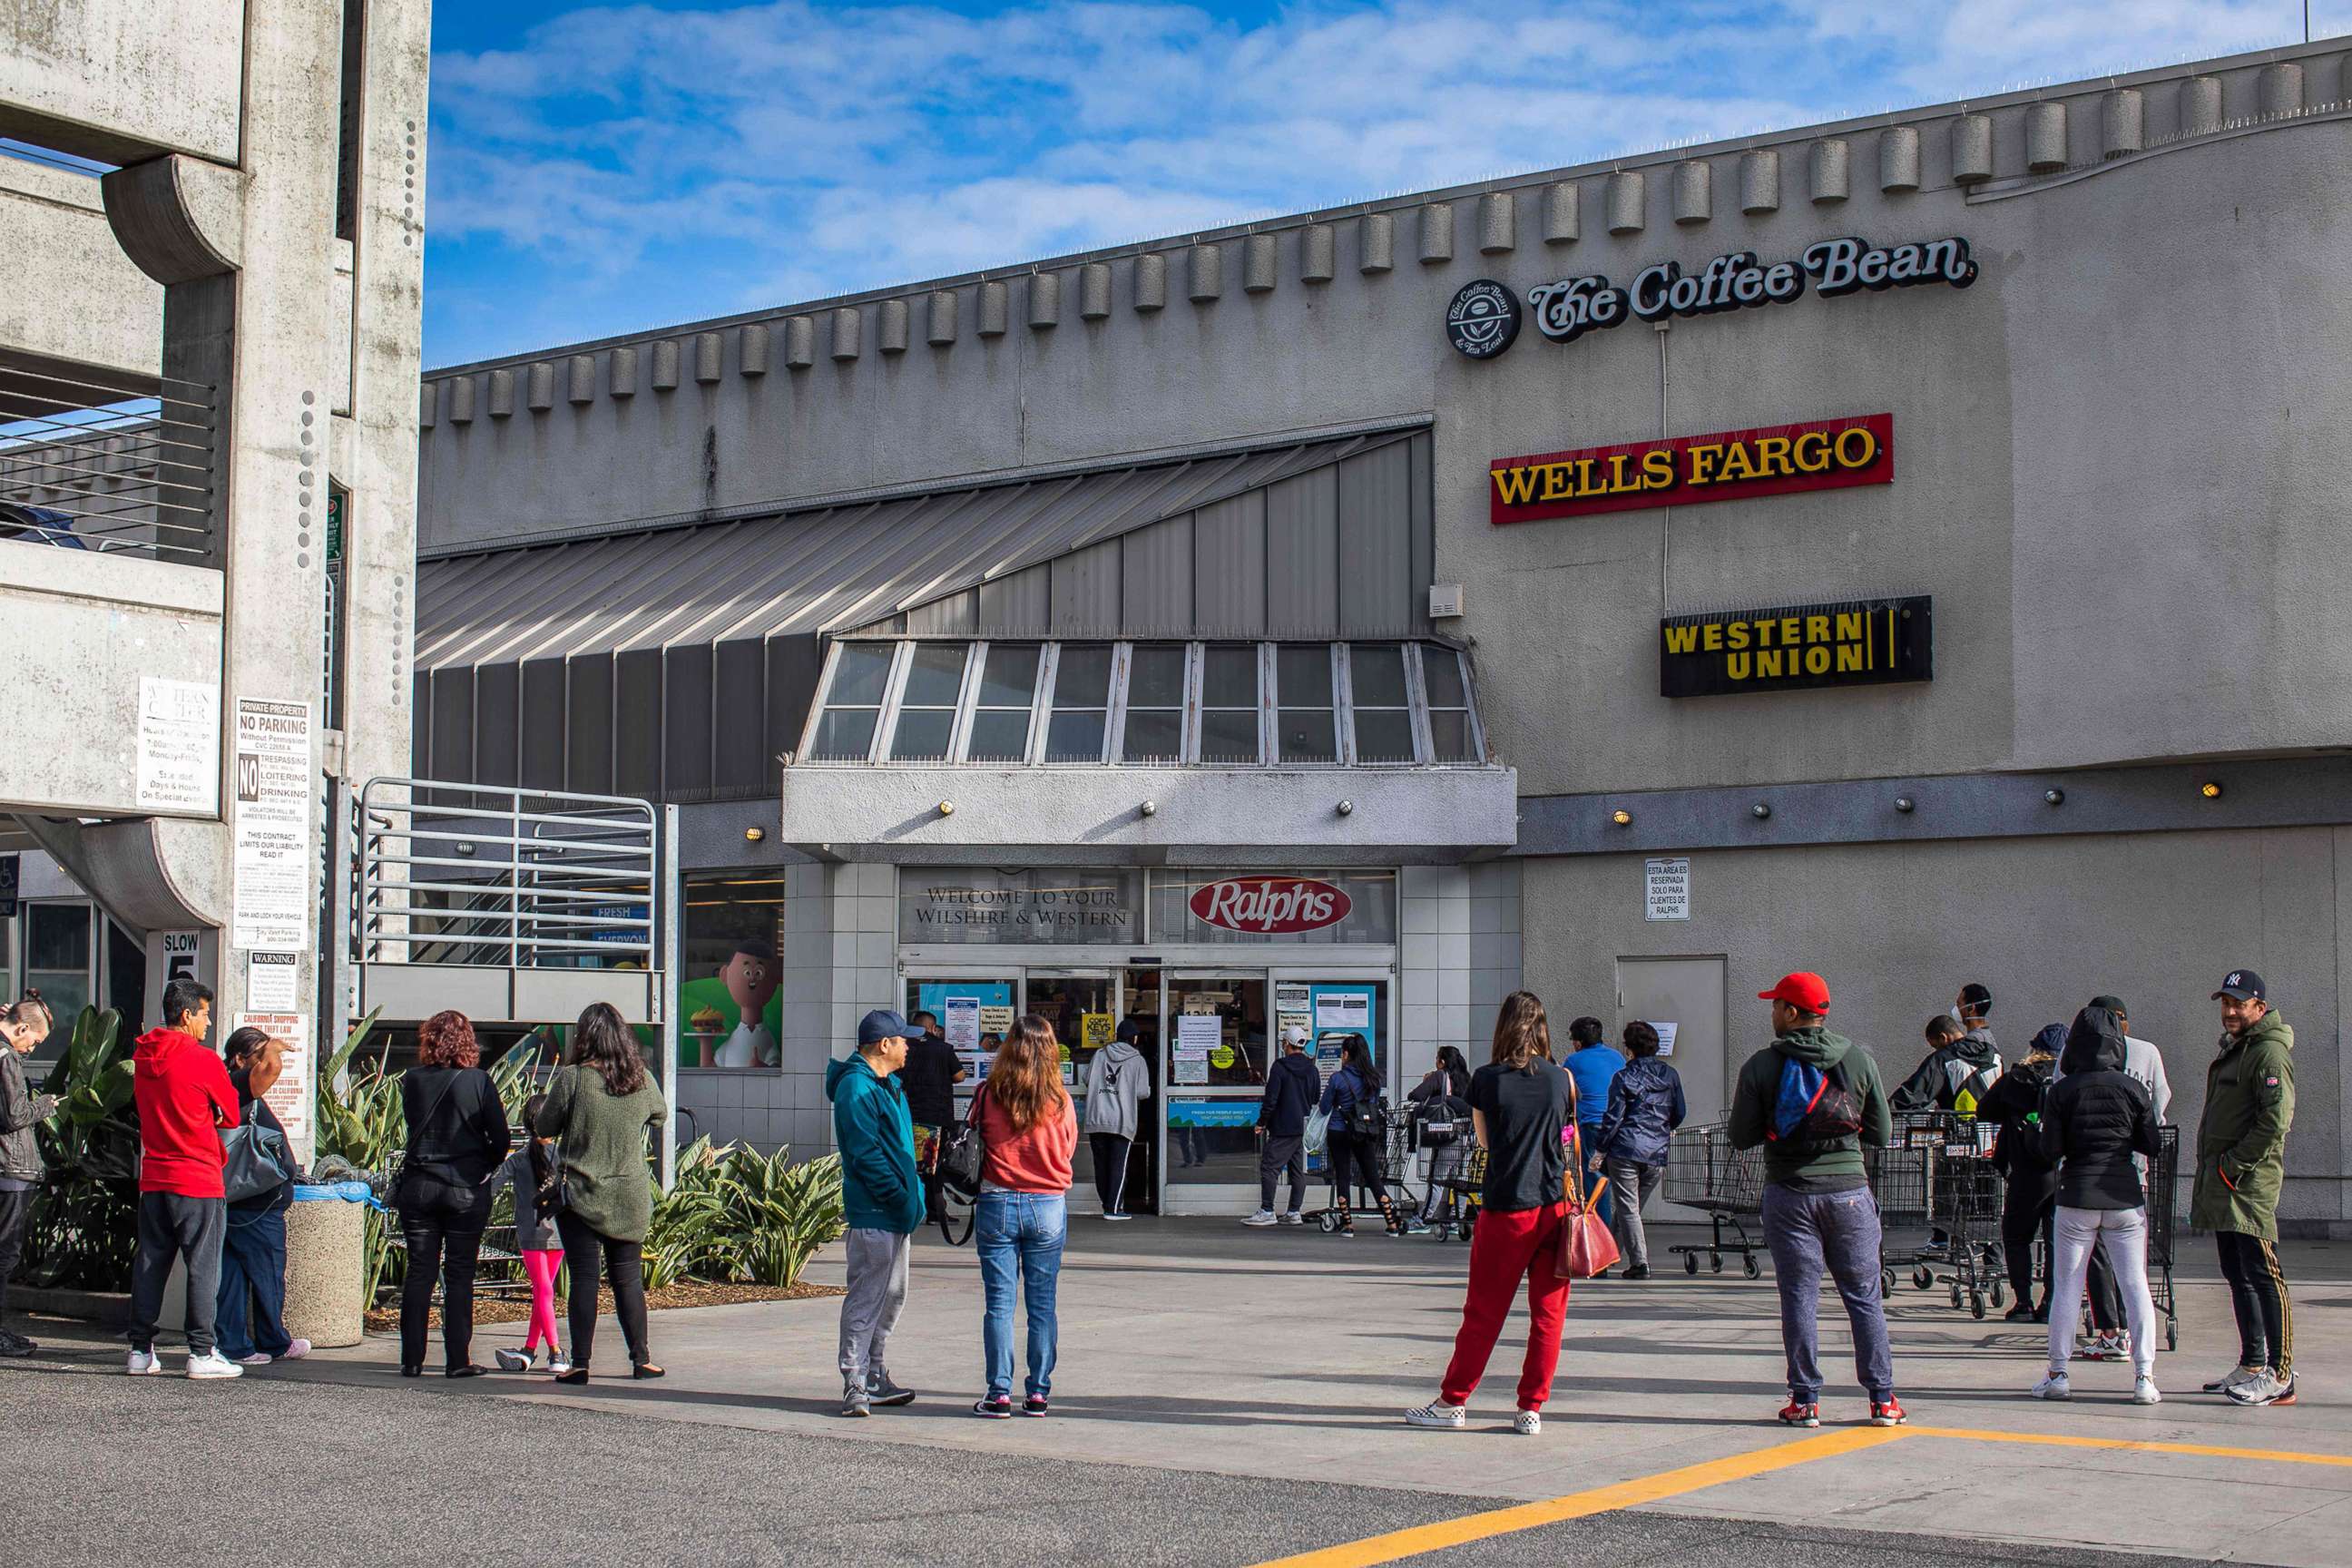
[1812, 1098]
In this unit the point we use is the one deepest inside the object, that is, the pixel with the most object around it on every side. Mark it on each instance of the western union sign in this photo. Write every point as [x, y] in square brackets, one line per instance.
[1867, 642]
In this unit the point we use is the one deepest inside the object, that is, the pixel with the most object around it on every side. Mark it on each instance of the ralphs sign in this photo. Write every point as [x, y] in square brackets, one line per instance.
[1270, 906]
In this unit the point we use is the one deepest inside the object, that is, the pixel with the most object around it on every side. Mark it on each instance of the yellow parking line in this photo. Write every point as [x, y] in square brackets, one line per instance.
[2060, 1440]
[1401, 1543]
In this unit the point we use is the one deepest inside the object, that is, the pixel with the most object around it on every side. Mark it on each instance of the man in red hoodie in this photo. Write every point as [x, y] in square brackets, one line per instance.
[185, 1098]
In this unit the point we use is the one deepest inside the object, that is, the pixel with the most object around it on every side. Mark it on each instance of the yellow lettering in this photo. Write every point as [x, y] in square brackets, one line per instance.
[1736, 463]
[1735, 635]
[1817, 660]
[1617, 462]
[1849, 624]
[1555, 481]
[1857, 448]
[1682, 639]
[1702, 464]
[1817, 629]
[1772, 456]
[1849, 656]
[1714, 637]
[1516, 487]
[1812, 452]
[1736, 664]
[1657, 468]
[1768, 662]
[1584, 476]
[1792, 631]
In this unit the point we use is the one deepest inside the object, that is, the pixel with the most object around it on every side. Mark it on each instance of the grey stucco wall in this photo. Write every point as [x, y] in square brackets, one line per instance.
[1896, 930]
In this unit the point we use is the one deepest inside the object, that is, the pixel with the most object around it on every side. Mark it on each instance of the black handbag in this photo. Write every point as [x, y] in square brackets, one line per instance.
[1366, 1118]
[963, 1153]
[255, 1160]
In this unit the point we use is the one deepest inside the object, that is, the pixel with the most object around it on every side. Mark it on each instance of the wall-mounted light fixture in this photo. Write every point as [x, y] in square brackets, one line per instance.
[1621, 817]
[2209, 790]
[753, 835]
[1151, 808]
[1904, 802]
[1760, 810]
[1347, 808]
[2055, 797]
[947, 808]
[466, 848]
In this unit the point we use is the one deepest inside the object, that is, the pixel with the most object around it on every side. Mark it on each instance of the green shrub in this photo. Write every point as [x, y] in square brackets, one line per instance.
[84, 1222]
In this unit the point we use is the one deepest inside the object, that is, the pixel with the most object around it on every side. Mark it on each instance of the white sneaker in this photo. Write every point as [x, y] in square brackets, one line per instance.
[1292, 1216]
[512, 1360]
[258, 1358]
[212, 1364]
[296, 1351]
[1529, 1424]
[1440, 1414]
[2144, 1392]
[2231, 1379]
[1118, 1216]
[1263, 1216]
[143, 1363]
[2054, 1386]
[558, 1362]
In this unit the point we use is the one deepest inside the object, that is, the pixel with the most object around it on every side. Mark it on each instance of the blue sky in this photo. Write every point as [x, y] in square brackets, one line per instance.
[596, 169]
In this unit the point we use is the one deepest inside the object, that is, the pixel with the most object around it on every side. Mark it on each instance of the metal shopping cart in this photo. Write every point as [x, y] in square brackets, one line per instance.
[2161, 1195]
[1396, 1158]
[1903, 1181]
[1704, 1173]
[1965, 1201]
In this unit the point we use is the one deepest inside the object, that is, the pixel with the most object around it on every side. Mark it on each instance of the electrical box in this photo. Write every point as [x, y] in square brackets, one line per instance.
[1445, 601]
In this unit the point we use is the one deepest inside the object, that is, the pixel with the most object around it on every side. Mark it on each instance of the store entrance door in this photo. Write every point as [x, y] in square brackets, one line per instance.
[1215, 1036]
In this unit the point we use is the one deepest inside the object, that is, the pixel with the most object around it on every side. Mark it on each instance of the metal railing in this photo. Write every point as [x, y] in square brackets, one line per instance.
[482, 876]
[95, 460]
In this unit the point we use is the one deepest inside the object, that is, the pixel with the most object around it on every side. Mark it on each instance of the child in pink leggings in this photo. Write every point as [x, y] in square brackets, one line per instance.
[531, 1172]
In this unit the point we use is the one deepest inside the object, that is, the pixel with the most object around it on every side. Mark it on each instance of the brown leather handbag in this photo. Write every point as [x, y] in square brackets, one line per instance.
[1587, 1246]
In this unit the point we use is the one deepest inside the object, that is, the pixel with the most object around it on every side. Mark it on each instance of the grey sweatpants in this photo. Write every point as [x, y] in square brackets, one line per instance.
[877, 1293]
[170, 1226]
[1838, 1232]
[1632, 1184]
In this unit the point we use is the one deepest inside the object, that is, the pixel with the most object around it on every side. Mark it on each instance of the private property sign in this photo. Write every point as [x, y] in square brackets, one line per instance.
[1683, 470]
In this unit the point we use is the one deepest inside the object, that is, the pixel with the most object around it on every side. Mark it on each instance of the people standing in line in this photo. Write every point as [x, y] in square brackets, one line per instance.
[2142, 1060]
[1594, 1064]
[1645, 1106]
[1963, 1058]
[2241, 1167]
[2094, 1119]
[1357, 1159]
[457, 1138]
[2109, 1339]
[1118, 1082]
[598, 1107]
[1023, 1218]
[1521, 1105]
[184, 1100]
[250, 1323]
[881, 1203]
[2029, 1195]
[24, 1025]
[531, 1173]
[1292, 1086]
[1812, 1098]
[1442, 1100]
[932, 1070]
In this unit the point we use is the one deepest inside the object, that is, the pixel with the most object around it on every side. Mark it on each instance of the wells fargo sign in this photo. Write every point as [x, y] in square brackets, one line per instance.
[1865, 642]
[1825, 454]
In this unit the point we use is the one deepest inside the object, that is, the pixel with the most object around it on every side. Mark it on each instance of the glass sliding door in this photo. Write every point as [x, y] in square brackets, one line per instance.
[1215, 1040]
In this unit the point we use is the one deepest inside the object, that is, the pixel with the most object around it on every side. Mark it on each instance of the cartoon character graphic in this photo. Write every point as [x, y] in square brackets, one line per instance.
[751, 977]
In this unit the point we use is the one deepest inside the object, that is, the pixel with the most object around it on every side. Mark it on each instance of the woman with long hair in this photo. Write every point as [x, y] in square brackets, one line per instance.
[1441, 1103]
[1357, 1159]
[1521, 1104]
[1032, 1132]
[599, 1104]
[457, 1138]
[249, 1320]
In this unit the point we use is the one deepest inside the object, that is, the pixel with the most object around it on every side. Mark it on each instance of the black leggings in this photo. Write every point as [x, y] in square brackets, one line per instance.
[2020, 1224]
[1110, 1151]
[624, 1266]
[2259, 1296]
[441, 1226]
[1360, 1159]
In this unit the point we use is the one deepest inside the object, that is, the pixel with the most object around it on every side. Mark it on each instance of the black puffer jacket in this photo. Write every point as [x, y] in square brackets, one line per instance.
[2014, 1105]
[2097, 1118]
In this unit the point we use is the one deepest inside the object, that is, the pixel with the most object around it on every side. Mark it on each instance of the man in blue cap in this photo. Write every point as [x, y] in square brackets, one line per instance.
[881, 1201]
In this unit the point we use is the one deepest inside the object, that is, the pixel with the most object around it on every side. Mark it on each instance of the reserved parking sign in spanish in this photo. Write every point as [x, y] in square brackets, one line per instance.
[1683, 470]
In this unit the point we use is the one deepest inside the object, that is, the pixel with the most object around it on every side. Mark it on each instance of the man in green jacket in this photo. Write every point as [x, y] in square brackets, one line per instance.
[2241, 1166]
[881, 1203]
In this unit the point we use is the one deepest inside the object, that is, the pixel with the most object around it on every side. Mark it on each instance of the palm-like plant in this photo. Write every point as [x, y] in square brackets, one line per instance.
[84, 1222]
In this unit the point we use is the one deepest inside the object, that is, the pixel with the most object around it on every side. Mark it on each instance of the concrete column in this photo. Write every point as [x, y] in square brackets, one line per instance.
[1258, 264]
[1898, 159]
[1971, 149]
[2045, 138]
[1759, 181]
[1561, 214]
[1094, 290]
[1375, 243]
[1829, 169]
[890, 327]
[1628, 194]
[2121, 123]
[1436, 232]
[1694, 192]
[1498, 223]
[1316, 253]
[1150, 282]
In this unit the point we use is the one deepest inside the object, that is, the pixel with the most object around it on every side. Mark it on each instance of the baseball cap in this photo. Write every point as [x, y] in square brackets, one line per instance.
[1804, 990]
[884, 1025]
[2112, 1003]
[1130, 1032]
[1294, 1035]
[2242, 983]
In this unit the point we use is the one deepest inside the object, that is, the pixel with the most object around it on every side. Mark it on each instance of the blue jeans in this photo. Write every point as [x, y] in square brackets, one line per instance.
[1020, 1232]
[252, 1304]
[1809, 1232]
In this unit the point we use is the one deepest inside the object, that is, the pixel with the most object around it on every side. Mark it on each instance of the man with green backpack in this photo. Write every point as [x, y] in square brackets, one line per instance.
[1811, 1099]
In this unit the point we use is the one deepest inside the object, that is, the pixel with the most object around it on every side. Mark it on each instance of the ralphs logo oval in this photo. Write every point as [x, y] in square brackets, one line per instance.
[1270, 906]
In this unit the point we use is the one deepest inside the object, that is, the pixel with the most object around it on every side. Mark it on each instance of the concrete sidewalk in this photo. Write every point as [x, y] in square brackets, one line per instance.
[1202, 1347]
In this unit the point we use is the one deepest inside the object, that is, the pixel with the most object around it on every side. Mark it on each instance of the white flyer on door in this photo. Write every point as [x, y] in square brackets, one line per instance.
[962, 1022]
[1666, 1027]
[1351, 1010]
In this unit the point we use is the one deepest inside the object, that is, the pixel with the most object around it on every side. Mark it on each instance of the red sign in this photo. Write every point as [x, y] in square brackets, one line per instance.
[1270, 906]
[1731, 465]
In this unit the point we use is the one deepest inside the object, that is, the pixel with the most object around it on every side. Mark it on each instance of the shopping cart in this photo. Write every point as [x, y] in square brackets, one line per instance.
[2161, 1196]
[1965, 1197]
[1903, 1183]
[1704, 1173]
[1461, 1214]
[1396, 1157]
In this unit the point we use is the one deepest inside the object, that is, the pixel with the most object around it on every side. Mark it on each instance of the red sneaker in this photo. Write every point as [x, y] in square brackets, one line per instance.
[1795, 1414]
[1887, 1414]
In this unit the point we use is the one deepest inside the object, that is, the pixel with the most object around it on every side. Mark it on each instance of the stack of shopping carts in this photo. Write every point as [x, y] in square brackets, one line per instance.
[1704, 1173]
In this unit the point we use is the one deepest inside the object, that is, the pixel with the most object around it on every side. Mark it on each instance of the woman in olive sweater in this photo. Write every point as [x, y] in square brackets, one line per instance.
[598, 1108]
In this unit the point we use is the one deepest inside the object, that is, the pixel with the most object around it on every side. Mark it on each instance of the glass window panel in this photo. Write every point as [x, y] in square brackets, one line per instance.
[1155, 734]
[731, 991]
[1009, 678]
[844, 734]
[1449, 736]
[860, 673]
[1309, 735]
[1082, 678]
[59, 937]
[1157, 678]
[1303, 675]
[1074, 737]
[999, 735]
[935, 676]
[1227, 735]
[1229, 678]
[1377, 675]
[1441, 673]
[922, 734]
[1383, 735]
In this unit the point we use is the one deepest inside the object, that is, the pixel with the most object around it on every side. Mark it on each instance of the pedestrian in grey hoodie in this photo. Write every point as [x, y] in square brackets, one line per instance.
[1971, 1061]
[1118, 1083]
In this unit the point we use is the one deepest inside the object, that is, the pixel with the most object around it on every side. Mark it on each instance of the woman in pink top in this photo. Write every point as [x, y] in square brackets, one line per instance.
[1032, 1130]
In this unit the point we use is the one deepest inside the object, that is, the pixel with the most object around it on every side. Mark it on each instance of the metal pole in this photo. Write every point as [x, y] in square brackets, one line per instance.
[664, 890]
[335, 974]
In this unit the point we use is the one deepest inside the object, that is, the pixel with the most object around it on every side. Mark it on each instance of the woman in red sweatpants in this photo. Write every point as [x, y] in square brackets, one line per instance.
[1519, 1105]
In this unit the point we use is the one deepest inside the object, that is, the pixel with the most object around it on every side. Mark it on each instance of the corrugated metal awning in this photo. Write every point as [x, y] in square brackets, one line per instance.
[823, 569]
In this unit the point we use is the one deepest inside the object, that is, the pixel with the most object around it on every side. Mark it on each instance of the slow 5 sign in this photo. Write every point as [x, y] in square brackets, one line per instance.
[1270, 906]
